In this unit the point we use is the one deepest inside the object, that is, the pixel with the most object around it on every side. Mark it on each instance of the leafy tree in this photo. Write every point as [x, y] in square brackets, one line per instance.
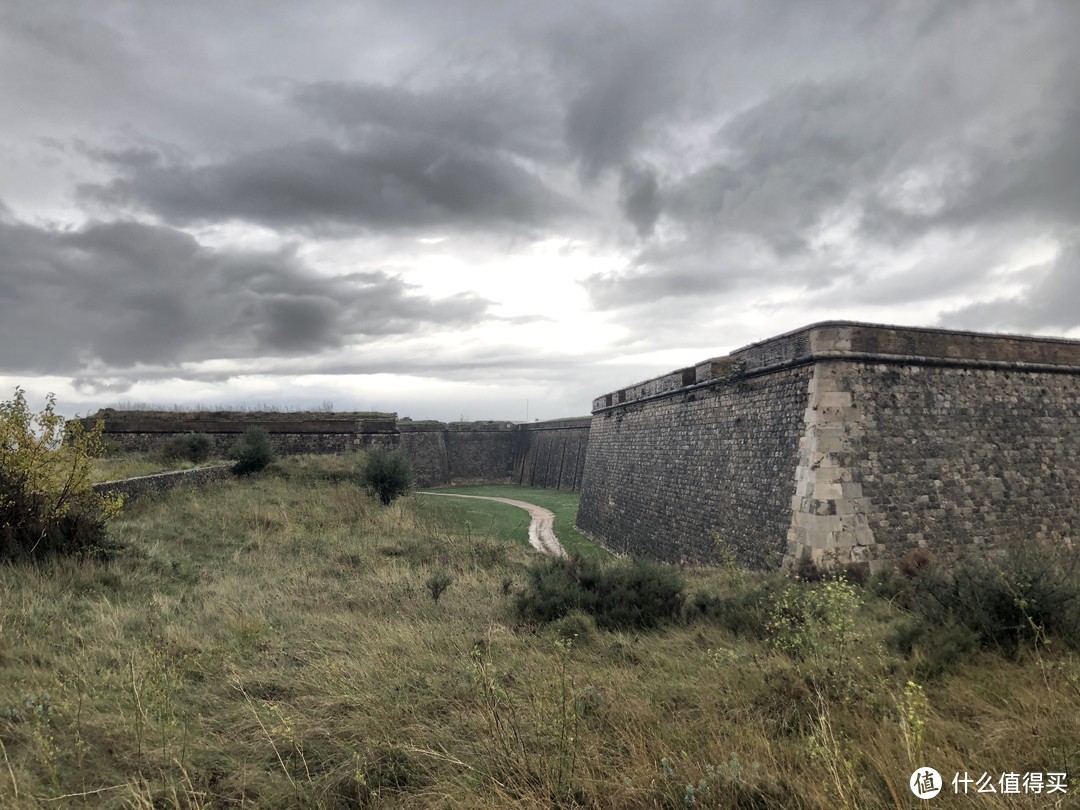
[47, 503]
[387, 473]
[253, 452]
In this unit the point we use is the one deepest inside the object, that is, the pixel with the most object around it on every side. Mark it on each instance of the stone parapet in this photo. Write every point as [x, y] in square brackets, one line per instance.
[851, 340]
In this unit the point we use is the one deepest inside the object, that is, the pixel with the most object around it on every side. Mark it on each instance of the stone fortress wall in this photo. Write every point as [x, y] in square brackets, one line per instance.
[547, 454]
[839, 443]
[842, 443]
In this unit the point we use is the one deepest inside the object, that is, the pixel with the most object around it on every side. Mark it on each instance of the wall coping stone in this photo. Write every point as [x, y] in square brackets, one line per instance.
[140, 485]
[859, 342]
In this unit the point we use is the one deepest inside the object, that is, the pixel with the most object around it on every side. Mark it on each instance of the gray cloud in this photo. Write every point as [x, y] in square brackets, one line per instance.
[521, 120]
[861, 155]
[123, 294]
[321, 186]
[1049, 302]
[639, 197]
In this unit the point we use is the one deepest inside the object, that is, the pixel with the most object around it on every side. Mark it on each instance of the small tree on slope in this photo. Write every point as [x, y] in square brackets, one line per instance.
[47, 503]
[387, 473]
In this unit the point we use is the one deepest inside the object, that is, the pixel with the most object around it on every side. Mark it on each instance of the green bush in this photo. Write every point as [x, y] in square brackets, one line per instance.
[47, 502]
[387, 473]
[745, 609]
[194, 447]
[1032, 592]
[253, 452]
[623, 594]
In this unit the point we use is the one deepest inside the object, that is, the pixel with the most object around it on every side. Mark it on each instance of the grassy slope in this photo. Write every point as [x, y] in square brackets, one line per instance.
[272, 644]
[563, 504]
[132, 465]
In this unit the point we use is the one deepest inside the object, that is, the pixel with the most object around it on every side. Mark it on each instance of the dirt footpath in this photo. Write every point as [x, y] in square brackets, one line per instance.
[541, 528]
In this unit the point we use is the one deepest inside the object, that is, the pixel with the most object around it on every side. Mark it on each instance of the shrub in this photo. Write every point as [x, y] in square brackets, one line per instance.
[47, 503]
[745, 609]
[624, 594]
[194, 447]
[387, 473]
[253, 452]
[437, 583]
[815, 620]
[1031, 592]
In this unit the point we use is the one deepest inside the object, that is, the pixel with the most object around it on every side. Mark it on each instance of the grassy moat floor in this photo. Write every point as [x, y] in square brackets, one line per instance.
[274, 643]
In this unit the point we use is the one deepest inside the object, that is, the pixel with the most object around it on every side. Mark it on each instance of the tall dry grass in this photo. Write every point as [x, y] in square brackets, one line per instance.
[272, 643]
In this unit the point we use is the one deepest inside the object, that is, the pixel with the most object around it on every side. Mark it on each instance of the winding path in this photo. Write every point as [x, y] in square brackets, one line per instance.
[541, 528]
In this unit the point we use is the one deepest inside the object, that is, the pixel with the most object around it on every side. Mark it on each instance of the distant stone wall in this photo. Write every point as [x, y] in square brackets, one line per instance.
[441, 453]
[552, 454]
[459, 452]
[286, 436]
[842, 443]
[132, 488]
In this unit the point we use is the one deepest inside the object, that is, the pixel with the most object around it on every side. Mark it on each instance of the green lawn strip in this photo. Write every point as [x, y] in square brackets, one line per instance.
[477, 517]
[563, 504]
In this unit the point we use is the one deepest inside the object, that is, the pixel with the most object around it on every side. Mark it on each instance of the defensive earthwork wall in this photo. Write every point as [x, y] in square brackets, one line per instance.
[842, 443]
[543, 454]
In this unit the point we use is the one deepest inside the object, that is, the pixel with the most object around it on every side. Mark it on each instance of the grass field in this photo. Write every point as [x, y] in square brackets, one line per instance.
[274, 643]
[484, 518]
[563, 504]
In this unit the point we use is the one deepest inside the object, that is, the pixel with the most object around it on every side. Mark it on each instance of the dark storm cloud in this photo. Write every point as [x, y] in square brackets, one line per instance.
[318, 185]
[639, 197]
[124, 293]
[628, 72]
[843, 151]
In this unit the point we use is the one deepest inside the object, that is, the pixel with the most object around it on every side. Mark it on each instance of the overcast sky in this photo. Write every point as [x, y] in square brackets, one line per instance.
[452, 209]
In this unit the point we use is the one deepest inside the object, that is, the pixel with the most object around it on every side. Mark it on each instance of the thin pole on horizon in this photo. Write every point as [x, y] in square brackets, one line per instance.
[526, 410]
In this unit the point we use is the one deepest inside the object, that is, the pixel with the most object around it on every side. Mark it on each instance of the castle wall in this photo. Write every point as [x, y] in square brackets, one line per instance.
[440, 453]
[670, 476]
[286, 436]
[132, 488]
[947, 458]
[842, 443]
[552, 454]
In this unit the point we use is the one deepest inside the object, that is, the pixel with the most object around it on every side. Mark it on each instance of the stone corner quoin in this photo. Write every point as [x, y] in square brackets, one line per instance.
[842, 443]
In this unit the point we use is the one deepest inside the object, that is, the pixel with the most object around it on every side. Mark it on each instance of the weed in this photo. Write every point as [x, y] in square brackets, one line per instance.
[437, 583]
[1030, 595]
[913, 707]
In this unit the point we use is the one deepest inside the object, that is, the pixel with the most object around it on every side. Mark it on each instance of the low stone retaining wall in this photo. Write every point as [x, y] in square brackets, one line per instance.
[132, 488]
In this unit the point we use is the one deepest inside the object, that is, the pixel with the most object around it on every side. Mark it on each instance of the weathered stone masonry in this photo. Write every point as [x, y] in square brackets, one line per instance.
[842, 443]
[552, 454]
[544, 454]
